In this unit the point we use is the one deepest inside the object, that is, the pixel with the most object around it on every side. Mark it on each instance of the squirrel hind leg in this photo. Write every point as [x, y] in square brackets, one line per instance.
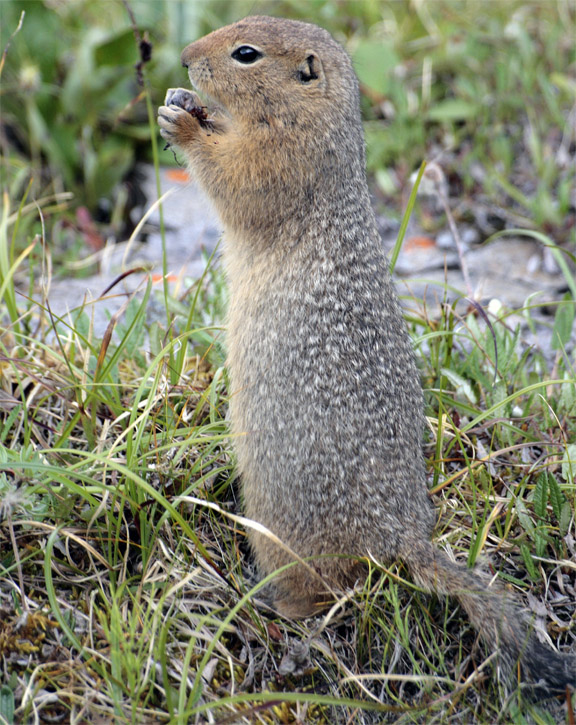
[298, 593]
[298, 606]
[292, 596]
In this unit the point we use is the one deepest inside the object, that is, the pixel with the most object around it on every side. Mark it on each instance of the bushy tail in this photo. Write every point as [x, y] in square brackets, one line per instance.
[500, 621]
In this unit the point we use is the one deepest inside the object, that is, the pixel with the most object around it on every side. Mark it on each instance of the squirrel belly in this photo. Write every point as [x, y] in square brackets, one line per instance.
[326, 405]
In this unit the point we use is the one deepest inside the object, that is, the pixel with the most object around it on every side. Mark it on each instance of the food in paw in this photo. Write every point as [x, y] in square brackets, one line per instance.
[188, 101]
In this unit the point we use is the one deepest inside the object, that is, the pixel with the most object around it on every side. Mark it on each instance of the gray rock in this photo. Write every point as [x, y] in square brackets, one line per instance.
[190, 226]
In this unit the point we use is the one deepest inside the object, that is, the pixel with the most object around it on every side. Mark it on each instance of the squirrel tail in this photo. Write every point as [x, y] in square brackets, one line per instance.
[499, 620]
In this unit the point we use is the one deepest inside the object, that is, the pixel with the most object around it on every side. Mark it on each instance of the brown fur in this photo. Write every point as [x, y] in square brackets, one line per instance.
[326, 403]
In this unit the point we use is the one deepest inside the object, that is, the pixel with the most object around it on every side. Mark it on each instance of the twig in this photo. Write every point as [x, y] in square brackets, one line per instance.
[18, 562]
[435, 175]
[5, 51]
[144, 45]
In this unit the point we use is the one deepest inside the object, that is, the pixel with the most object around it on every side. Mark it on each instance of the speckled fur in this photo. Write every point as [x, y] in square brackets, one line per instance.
[326, 404]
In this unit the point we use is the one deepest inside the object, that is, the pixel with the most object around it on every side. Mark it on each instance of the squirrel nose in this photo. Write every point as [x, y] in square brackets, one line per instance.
[185, 57]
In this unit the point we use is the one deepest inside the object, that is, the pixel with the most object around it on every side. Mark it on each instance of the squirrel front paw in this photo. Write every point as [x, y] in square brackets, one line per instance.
[181, 117]
[182, 97]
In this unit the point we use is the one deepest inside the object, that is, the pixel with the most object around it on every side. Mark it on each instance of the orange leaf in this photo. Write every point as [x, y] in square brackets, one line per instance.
[178, 175]
[419, 243]
[274, 631]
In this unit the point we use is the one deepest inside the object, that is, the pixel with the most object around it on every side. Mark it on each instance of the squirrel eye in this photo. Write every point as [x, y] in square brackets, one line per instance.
[246, 54]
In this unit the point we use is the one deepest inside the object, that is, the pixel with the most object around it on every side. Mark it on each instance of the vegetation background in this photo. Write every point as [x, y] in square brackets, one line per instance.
[126, 593]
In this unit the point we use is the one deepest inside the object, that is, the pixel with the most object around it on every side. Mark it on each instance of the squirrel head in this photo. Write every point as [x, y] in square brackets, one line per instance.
[273, 71]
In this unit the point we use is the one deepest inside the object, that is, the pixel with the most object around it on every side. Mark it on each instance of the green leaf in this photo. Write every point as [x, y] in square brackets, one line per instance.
[540, 540]
[452, 109]
[130, 330]
[565, 518]
[567, 400]
[557, 498]
[462, 386]
[119, 49]
[523, 517]
[374, 61]
[529, 562]
[541, 495]
[563, 322]
[108, 165]
[569, 463]
[8, 425]
[564, 82]
[41, 135]
[6, 704]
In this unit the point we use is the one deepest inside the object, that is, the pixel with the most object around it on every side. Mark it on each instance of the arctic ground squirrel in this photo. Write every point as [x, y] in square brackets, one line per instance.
[326, 405]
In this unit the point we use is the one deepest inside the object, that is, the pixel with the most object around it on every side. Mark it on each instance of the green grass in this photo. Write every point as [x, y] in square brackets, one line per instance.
[126, 588]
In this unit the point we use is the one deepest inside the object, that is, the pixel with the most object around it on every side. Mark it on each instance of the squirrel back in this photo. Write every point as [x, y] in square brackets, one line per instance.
[326, 404]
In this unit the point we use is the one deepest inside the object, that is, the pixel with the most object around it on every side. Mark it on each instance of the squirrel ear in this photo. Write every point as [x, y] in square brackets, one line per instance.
[311, 68]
